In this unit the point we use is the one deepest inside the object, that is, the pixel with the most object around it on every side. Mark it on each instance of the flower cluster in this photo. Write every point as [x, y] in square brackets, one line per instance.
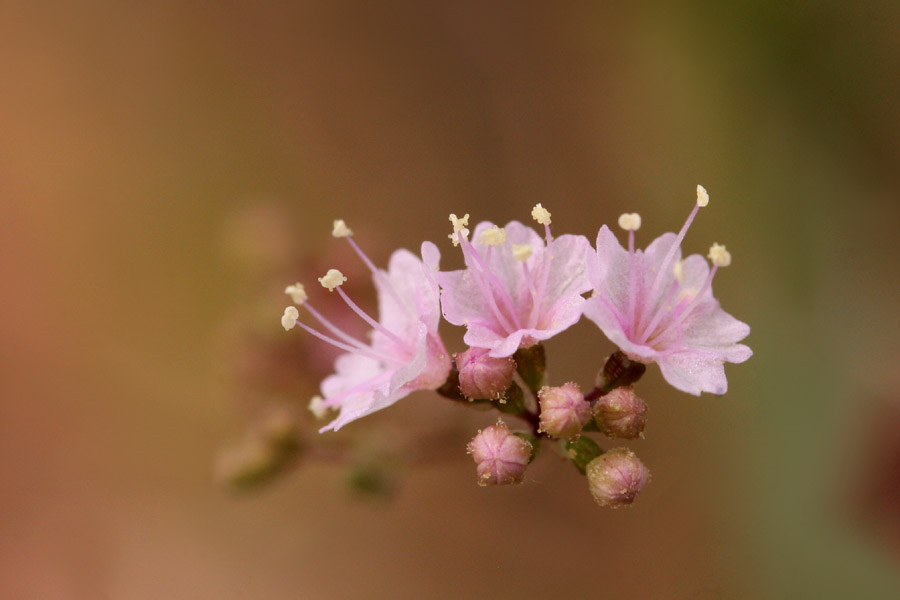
[519, 288]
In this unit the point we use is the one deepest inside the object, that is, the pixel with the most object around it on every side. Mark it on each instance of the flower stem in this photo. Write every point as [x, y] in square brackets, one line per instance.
[531, 363]
[618, 371]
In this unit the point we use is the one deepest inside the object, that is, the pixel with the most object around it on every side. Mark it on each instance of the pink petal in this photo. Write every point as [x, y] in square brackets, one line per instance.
[567, 280]
[609, 272]
[711, 327]
[417, 295]
[461, 298]
[694, 372]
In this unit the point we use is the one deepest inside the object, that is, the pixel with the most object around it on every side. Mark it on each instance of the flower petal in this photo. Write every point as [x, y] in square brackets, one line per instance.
[567, 280]
[694, 372]
[413, 298]
[609, 272]
[604, 315]
[711, 327]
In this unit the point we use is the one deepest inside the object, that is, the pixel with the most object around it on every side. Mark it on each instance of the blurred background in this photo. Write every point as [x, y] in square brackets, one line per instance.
[167, 168]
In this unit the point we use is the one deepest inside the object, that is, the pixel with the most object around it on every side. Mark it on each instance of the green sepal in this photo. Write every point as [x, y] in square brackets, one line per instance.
[582, 451]
[534, 440]
[531, 363]
[512, 402]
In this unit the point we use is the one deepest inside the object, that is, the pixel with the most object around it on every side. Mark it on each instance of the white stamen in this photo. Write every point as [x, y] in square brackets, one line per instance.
[522, 251]
[297, 293]
[459, 224]
[678, 270]
[719, 256]
[332, 279]
[318, 408]
[454, 237]
[630, 221]
[289, 318]
[540, 214]
[340, 229]
[702, 196]
[493, 236]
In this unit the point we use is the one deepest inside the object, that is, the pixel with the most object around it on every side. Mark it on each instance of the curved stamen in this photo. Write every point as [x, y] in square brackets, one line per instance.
[375, 324]
[632, 283]
[666, 265]
[368, 353]
[379, 275]
[334, 328]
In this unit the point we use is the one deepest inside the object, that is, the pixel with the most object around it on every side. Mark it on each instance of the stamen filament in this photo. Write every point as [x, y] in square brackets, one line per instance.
[666, 266]
[379, 275]
[375, 324]
[367, 353]
[632, 283]
[334, 328]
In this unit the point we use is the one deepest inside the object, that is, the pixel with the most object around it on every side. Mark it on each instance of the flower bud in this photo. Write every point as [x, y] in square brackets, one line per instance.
[482, 376]
[245, 464]
[621, 414]
[500, 455]
[564, 411]
[616, 477]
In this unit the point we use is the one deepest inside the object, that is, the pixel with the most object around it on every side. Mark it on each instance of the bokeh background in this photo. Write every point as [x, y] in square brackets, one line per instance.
[166, 168]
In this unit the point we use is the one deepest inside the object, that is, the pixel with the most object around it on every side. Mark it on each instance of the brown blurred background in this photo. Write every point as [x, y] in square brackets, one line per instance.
[159, 163]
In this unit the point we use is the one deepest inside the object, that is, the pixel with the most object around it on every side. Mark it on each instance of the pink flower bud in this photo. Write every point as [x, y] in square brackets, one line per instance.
[564, 411]
[616, 477]
[482, 376]
[500, 455]
[621, 414]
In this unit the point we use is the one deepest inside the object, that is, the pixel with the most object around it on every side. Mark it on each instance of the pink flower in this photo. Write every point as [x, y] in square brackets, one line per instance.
[405, 353]
[658, 308]
[516, 289]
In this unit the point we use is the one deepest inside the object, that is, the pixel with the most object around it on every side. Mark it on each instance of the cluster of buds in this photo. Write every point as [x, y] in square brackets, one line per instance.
[518, 289]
